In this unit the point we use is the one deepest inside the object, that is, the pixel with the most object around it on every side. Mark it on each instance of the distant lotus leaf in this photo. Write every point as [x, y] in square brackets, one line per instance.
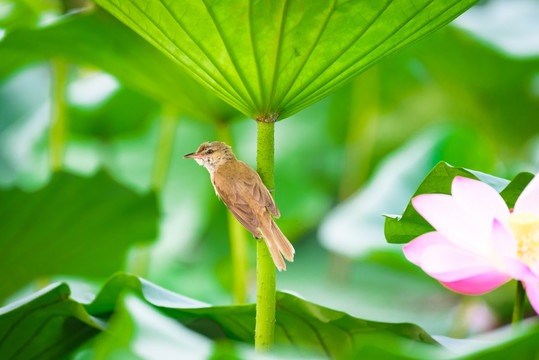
[72, 226]
[97, 39]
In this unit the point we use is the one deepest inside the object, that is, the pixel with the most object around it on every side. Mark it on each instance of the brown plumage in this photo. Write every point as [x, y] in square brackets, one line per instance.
[242, 191]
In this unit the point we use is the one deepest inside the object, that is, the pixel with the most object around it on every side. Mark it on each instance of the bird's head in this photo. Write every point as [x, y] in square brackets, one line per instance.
[212, 154]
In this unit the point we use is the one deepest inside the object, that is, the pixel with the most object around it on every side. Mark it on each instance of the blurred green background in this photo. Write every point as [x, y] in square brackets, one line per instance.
[123, 199]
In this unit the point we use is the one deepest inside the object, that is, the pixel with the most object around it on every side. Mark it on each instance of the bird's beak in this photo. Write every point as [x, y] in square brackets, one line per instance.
[192, 156]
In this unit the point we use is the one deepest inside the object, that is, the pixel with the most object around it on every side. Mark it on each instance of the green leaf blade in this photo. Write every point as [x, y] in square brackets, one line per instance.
[272, 59]
[51, 233]
[302, 326]
[47, 325]
[386, 23]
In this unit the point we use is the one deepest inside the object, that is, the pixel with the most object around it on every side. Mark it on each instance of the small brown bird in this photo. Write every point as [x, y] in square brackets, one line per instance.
[242, 191]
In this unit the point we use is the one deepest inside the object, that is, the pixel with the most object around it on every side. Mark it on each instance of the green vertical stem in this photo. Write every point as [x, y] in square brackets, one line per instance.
[59, 125]
[236, 234]
[58, 129]
[518, 309]
[360, 135]
[140, 258]
[165, 143]
[265, 269]
[358, 148]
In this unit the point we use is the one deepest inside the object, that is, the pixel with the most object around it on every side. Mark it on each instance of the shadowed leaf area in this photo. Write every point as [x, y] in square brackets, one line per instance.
[46, 325]
[73, 226]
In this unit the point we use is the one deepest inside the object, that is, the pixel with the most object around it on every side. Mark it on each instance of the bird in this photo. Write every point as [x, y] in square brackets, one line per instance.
[242, 191]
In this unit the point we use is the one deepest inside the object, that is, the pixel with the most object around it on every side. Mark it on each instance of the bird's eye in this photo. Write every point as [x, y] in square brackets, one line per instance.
[209, 152]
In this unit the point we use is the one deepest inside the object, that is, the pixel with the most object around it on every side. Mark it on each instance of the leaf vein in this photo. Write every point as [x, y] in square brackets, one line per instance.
[311, 326]
[207, 53]
[343, 79]
[240, 324]
[255, 55]
[310, 52]
[342, 52]
[220, 89]
[156, 44]
[232, 58]
[277, 56]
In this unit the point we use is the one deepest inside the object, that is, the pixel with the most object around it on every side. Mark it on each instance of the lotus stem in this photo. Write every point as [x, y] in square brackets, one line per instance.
[360, 134]
[58, 129]
[518, 309]
[265, 269]
[165, 143]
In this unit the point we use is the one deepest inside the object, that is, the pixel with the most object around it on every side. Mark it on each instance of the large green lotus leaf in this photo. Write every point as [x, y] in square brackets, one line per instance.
[402, 229]
[97, 39]
[304, 325]
[73, 226]
[50, 323]
[299, 322]
[46, 325]
[270, 58]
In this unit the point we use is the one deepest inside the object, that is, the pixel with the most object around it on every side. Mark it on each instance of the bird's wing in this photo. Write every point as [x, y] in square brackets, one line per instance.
[254, 185]
[228, 191]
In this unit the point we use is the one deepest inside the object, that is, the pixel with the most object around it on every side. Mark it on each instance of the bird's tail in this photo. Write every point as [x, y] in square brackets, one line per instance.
[277, 244]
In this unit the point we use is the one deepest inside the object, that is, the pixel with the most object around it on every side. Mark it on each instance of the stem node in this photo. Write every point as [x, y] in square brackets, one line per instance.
[270, 118]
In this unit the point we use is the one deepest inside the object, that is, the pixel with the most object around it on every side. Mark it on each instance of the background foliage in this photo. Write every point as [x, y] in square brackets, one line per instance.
[125, 200]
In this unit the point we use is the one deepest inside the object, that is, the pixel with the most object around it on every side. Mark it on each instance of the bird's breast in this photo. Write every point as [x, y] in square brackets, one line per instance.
[214, 186]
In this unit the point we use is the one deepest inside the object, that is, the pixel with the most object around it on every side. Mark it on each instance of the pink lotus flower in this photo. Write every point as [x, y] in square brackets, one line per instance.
[479, 244]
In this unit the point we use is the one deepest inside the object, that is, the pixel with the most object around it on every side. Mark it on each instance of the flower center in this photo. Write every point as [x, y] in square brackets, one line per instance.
[525, 228]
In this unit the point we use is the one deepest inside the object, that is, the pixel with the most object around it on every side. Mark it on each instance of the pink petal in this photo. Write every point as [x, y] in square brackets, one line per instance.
[505, 247]
[460, 225]
[479, 197]
[449, 263]
[528, 201]
[519, 270]
[478, 284]
[415, 248]
[532, 290]
[503, 241]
